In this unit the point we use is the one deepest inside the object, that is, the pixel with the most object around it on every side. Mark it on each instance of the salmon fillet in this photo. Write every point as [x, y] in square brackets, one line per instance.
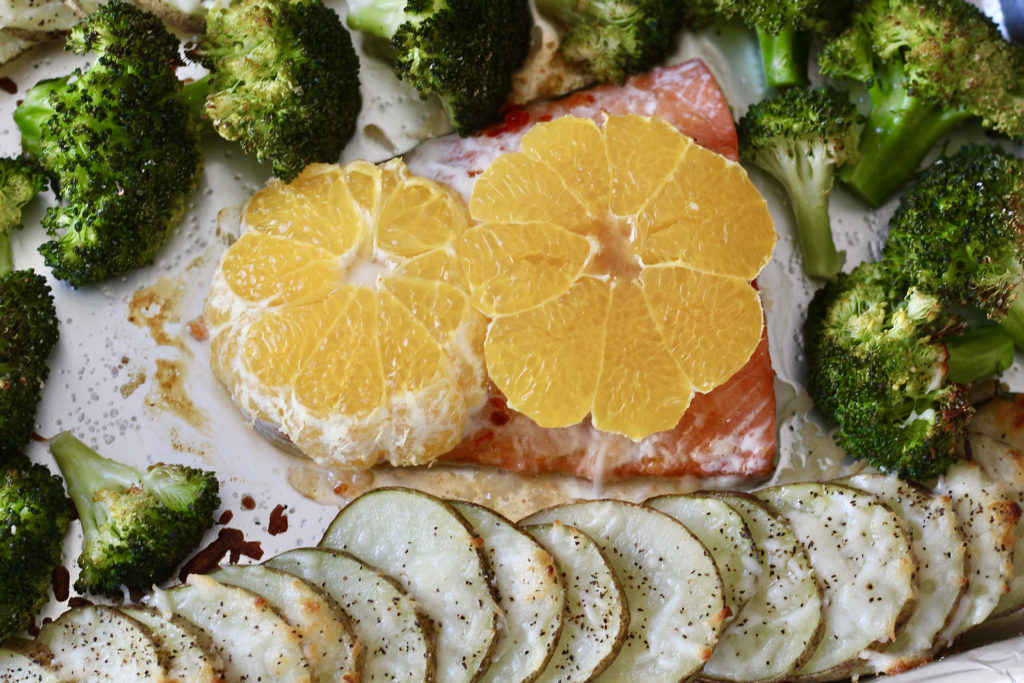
[729, 431]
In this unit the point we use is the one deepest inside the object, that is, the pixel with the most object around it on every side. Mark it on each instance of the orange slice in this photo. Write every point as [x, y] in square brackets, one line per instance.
[616, 263]
[341, 316]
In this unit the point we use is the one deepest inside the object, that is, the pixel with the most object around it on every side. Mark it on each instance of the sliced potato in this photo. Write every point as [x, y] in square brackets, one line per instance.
[13, 45]
[252, 638]
[1005, 464]
[327, 641]
[36, 19]
[780, 626]
[675, 594]
[861, 554]
[528, 583]
[938, 545]
[187, 649]
[394, 635]
[597, 615]
[23, 661]
[988, 518]
[425, 545]
[723, 532]
[97, 643]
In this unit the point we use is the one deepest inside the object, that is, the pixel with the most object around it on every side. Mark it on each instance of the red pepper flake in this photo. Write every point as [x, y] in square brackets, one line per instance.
[230, 542]
[8, 85]
[499, 418]
[248, 503]
[197, 328]
[278, 521]
[515, 120]
[76, 601]
[61, 582]
[225, 517]
[543, 118]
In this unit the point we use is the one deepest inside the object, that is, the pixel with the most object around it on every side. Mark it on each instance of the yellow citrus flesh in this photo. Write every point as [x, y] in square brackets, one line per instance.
[342, 316]
[616, 264]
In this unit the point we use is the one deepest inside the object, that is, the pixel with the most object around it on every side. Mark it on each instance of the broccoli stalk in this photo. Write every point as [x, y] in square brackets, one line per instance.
[34, 517]
[283, 82]
[784, 55]
[463, 51]
[928, 67]
[119, 142]
[138, 526]
[28, 319]
[614, 39]
[959, 232]
[880, 370]
[800, 137]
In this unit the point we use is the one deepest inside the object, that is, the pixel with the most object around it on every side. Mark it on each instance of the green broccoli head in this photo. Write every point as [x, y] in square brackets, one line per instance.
[284, 81]
[34, 516]
[959, 232]
[138, 525]
[616, 38]
[877, 368]
[463, 51]
[801, 137]
[928, 67]
[119, 142]
[20, 181]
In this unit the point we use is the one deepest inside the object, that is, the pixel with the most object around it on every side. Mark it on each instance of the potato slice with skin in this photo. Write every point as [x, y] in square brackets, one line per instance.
[675, 594]
[988, 518]
[187, 649]
[781, 624]
[861, 554]
[528, 583]
[327, 641]
[597, 616]
[24, 661]
[424, 544]
[938, 545]
[252, 638]
[96, 643]
[394, 635]
[1005, 464]
[726, 536]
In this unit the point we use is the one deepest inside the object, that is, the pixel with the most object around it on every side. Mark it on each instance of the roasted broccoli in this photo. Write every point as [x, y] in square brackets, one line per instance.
[283, 83]
[463, 51]
[28, 320]
[34, 516]
[784, 31]
[928, 66]
[614, 39]
[959, 232]
[800, 137]
[138, 525]
[879, 369]
[119, 143]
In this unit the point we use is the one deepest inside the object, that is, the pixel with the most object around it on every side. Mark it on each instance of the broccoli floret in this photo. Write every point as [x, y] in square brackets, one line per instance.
[959, 232]
[614, 39]
[138, 526]
[784, 31]
[28, 319]
[800, 137]
[284, 81]
[119, 142]
[928, 66]
[463, 51]
[34, 516]
[879, 368]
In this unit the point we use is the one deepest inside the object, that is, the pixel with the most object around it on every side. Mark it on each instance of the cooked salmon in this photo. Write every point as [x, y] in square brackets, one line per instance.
[729, 431]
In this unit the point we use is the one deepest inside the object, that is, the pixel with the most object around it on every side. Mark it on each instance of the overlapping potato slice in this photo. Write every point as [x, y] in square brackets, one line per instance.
[939, 547]
[862, 557]
[187, 649]
[672, 586]
[393, 633]
[530, 594]
[425, 545]
[25, 661]
[597, 615]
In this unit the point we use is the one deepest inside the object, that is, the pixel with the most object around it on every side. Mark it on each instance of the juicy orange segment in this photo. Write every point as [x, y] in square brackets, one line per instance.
[341, 315]
[616, 264]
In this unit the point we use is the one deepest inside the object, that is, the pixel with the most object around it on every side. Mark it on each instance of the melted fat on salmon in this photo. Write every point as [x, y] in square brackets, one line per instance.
[730, 431]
